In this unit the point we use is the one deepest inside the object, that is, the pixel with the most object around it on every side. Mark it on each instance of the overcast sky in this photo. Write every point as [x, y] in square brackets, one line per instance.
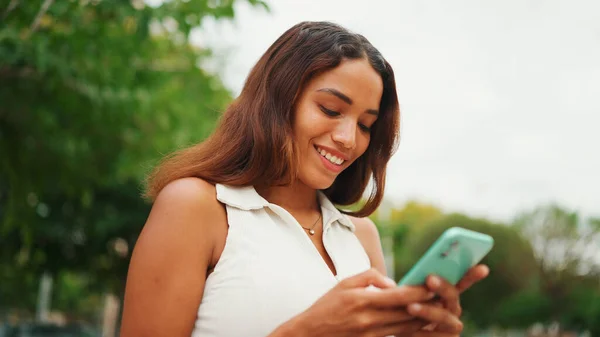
[500, 100]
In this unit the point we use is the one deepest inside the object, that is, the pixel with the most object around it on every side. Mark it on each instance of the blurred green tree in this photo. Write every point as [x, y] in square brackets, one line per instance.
[566, 248]
[523, 309]
[92, 93]
[402, 224]
[563, 242]
[582, 306]
[416, 214]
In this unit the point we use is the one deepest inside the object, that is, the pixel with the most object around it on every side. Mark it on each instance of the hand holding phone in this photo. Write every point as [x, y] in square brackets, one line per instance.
[450, 258]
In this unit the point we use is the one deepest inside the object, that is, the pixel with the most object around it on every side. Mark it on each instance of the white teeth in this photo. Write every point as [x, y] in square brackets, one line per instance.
[330, 157]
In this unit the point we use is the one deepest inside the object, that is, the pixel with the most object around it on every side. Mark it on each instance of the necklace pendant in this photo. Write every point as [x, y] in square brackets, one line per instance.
[312, 232]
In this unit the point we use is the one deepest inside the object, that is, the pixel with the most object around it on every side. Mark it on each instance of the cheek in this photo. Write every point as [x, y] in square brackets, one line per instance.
[308, 124]
[362, 144]
[302, 131]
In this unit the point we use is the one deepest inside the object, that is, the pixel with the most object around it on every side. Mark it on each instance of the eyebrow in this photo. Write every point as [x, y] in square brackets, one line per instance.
[345, 98]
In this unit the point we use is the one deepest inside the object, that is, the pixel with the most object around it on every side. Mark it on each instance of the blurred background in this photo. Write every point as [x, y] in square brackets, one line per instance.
[500, 116]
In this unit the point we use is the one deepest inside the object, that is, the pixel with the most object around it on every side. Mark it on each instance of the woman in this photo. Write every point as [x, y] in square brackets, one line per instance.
[243, 238]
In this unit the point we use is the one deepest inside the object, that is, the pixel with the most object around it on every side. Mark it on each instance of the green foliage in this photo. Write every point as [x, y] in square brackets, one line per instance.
[416, 215]
[72, 294]
[92, 93]
[562, 241]
[18, 289]
[565, 245]
[401, 224]
[582, 308]
[523, 309]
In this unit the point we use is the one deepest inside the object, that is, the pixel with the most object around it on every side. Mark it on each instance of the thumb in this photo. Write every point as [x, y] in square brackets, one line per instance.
[367, 278]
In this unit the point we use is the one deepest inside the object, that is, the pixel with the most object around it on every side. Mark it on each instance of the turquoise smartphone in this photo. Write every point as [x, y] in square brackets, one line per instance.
[455, 252]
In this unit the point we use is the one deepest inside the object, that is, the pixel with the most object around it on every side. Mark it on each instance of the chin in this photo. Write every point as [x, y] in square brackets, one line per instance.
[318, 181]
[324, 185]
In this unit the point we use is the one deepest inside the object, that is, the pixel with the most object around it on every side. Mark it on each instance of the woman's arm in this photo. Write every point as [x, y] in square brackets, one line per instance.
[169, 264]
[367, 234]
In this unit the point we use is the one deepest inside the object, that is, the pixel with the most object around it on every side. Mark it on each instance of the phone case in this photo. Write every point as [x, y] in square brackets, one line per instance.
[455, 252]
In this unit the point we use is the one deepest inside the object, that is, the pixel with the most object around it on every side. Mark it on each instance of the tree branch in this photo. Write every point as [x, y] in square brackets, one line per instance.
[12, 5]
[38, 17]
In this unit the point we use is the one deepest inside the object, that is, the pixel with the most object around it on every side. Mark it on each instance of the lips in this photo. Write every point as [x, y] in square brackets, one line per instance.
[335, 160]
[332, 160]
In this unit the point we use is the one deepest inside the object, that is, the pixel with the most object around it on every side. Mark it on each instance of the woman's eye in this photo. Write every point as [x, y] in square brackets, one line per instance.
[364, 127]
[329, 112]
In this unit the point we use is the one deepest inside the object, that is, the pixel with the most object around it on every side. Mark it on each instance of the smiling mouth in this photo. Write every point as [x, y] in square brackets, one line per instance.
[331, 158]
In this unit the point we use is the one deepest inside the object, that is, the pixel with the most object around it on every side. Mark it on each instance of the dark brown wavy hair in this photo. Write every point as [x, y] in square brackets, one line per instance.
[253, 143]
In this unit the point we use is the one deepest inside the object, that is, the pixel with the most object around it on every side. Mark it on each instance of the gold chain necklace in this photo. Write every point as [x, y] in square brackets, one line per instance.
[311, 230]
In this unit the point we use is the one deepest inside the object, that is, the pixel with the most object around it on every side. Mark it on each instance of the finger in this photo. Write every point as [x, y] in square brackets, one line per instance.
[398, 296]
[387, 317]
[473, 276]
[374, 319]
[448, 293]
[434, 334]
[430, 327]
[400, 329]
[447, 321]
[370, 277]
[435, 302]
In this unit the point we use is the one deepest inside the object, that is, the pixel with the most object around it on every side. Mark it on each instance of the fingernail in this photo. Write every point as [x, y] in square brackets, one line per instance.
[415, 307]
[390, 281]
[435, 281]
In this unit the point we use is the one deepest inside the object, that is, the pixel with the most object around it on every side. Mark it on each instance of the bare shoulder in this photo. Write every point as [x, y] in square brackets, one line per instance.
[187, 191]
[365, 228]
[368, 235]
[186, 216]
[186, 209]
[169, 263]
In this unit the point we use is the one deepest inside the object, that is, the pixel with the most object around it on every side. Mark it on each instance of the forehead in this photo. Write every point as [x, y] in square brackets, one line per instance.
[356, 79]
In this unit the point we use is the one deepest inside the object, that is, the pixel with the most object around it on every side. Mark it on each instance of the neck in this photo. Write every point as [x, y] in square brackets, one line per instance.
[296, 197]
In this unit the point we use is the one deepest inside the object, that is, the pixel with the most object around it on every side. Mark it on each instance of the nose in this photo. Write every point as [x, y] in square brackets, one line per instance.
[345, 134]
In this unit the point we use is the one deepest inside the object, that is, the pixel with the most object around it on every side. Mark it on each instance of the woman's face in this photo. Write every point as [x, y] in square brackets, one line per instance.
[333, 118]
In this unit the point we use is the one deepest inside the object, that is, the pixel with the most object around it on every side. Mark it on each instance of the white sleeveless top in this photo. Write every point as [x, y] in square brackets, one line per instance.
[269, 270]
